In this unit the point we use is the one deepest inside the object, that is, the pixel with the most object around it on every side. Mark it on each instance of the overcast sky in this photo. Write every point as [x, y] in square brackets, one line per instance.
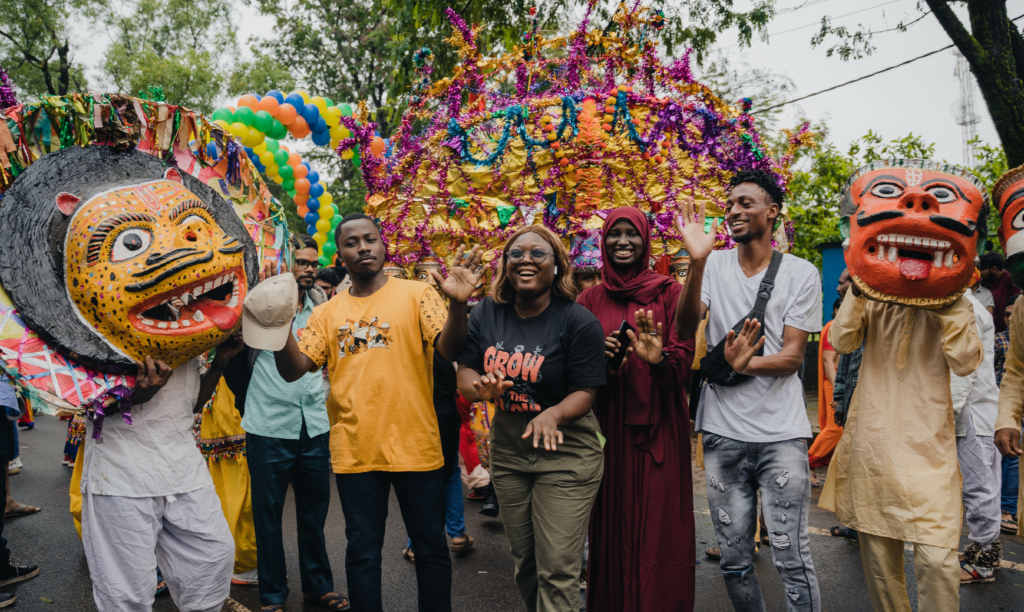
[920, 98]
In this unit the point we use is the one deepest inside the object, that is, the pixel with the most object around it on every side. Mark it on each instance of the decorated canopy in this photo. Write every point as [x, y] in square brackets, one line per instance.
[558, 131]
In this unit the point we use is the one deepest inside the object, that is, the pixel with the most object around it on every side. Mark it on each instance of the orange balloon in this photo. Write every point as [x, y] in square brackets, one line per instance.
[294, 160]
[303, 211]
[269, 104]
[377, 146]
[286, 114]
[250, 101]
[283, 146]
[298, 128]
[301, 198]
[301, 172]
[301, 185]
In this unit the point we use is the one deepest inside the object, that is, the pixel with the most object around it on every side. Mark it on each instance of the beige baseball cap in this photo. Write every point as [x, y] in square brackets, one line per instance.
[268, 311]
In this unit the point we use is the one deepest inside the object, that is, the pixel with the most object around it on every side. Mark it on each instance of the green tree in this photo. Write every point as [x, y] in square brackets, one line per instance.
[991, 43]
[184, 46]
[38, 45]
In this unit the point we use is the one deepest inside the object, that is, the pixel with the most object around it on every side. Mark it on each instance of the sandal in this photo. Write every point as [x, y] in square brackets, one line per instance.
[409, 555]
[845, 533]
[714, 554]
[1009, 526]
[464, 545]
[328, 601]
[976, 575]
[22, 510]
[272, 608]
[160, 590]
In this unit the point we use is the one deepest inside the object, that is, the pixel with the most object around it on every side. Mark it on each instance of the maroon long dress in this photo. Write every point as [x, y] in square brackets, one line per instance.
[642, 549]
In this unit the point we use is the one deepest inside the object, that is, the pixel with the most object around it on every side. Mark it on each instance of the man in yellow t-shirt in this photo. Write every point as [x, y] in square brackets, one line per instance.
[378, 340]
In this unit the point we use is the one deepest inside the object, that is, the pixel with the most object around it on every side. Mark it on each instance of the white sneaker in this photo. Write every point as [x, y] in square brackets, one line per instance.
[248, 577]
[15, 466]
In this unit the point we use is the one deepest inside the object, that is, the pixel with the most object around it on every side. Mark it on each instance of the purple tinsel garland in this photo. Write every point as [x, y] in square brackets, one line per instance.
[7, 95]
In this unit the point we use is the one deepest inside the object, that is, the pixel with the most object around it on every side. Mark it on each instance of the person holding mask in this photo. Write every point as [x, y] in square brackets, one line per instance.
[643, 412]
[539, 356]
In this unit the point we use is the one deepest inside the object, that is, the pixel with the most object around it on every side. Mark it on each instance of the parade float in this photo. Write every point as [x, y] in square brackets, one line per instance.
[912, 229]
[1008, 198]
[559, 131]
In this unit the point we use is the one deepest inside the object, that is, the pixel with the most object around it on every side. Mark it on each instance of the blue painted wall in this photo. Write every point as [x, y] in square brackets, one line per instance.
[832, 264]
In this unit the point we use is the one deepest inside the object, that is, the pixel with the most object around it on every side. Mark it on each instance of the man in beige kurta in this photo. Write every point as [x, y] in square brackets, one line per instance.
[894, 476]
[1011, 402]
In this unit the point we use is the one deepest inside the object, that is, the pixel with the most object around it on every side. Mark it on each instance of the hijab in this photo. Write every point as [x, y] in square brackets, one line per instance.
[638, 283]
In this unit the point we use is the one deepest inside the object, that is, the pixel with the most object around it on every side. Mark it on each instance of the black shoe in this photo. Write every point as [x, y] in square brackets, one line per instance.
[490, 505]
[11, 573]
[7, 599]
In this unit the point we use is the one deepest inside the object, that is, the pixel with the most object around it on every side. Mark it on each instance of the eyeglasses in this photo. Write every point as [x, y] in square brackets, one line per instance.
[537, 256]
[302, 264]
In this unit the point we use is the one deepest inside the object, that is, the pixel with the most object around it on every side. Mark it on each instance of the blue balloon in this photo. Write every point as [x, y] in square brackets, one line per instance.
[310, 112]
[257, 96]
[295, 100]
[311, 219]
[312, 176]
[211, 150]
[316, 190]
[277, 95]
[319, 127]
[313, 204]
[322, 138]
[310, 229]
[248, 151]
[306, 164]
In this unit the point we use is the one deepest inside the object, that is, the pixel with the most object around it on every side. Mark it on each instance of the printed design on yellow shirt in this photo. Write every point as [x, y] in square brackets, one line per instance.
[355, 337]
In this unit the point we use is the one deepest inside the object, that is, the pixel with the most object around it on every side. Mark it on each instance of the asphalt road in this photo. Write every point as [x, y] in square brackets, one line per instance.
[482, 576]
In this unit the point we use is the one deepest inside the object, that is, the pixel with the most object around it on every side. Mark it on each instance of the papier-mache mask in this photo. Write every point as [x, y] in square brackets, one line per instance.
[112, 256]
[912, 230]
[1008, 197]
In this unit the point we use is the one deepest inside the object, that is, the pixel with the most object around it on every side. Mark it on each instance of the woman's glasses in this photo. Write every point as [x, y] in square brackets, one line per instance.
[537, 256]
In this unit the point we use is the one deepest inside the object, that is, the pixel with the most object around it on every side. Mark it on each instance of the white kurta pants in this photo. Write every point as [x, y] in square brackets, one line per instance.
[125, 538]
[982, 475]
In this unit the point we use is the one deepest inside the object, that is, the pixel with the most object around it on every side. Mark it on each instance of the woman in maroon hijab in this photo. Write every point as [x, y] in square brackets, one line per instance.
[642, 553]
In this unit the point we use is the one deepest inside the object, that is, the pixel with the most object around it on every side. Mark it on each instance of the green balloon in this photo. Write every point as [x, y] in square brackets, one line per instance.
[329, 102]
[329, 247]
[326, 261]
[281, 157]
[335, 220]
[291, 192]
[288, 184]
[357, 160]
[346, 110]
[245, 115]
[278, 130]
[263, 121]
[285, 170]
[224, 114]
[272, 145]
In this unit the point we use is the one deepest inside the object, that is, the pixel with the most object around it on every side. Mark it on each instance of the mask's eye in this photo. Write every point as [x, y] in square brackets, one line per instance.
[130, 243]
[1017, 222]
[887, 190]
[942, 193]
[193, 217]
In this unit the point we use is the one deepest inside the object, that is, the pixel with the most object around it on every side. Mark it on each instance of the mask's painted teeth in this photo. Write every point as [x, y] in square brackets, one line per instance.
[174, 304]
[913, 241]
[949, 259]
[893, 251]
[938, 259]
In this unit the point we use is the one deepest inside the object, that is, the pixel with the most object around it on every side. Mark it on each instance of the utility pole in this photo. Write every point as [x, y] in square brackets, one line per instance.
[963, 111]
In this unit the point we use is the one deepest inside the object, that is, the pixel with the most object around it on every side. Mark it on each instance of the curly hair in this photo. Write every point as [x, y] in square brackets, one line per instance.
[563, 287]
[764, 180]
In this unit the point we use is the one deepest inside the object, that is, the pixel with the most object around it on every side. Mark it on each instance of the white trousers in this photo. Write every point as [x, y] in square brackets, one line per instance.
[982, 474]
[126, 537]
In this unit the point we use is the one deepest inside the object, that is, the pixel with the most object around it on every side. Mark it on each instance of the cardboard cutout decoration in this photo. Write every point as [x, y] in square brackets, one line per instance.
[111, 256]
[1008, 198]
[912, 230]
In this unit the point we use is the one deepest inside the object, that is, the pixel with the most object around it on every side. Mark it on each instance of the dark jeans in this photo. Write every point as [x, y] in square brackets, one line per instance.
[1011, 484]
[364, 500]
[306, 464]
[6, 446]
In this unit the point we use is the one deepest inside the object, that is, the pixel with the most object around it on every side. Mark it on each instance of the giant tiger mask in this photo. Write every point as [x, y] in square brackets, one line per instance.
[1008, 198]
[111, 256]
[913, 229]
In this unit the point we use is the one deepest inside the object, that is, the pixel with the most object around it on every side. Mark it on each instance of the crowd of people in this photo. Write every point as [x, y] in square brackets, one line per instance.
[571, 410]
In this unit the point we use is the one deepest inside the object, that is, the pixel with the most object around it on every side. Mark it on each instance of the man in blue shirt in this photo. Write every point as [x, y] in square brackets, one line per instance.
[287, 434]
[9, 572]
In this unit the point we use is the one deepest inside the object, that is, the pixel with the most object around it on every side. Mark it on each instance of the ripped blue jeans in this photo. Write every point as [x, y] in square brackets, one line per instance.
[735, 472]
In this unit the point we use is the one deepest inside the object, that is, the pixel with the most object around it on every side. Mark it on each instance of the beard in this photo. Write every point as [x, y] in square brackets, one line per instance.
[305, 283]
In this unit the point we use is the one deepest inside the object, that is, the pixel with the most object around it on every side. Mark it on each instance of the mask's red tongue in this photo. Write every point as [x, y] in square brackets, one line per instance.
[915, 269]
[222, 316]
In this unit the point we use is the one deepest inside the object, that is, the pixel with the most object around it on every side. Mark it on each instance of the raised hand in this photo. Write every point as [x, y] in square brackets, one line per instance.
[231, 346]
[151, 377]
[611, 347]
[464, 275]
[545, 426]
[491, 386]
[648, 343]
[740, 349]
[690, 225]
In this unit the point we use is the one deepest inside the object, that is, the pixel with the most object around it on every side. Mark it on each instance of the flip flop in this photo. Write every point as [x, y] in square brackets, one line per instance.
[23, 510]
[409, 555]
[328, 601]
[1008, 526]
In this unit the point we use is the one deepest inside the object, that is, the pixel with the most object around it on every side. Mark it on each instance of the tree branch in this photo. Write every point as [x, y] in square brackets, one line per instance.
[956, 31]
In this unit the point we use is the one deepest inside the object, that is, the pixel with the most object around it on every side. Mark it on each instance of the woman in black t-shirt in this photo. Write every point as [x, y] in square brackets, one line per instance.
[539, 356]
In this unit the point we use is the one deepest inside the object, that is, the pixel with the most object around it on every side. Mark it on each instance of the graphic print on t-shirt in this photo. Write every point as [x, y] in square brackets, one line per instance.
[519, 367]
[356, 337]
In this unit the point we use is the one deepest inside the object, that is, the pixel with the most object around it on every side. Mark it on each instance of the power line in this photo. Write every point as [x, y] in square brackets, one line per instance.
[818, 23]
[866, 76]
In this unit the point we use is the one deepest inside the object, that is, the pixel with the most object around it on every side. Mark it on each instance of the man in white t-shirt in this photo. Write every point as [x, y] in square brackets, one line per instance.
[148, 499]
[976, 406]
[755, 431]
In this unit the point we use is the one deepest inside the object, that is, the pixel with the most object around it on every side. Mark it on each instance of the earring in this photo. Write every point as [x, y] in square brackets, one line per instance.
[556, 270]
